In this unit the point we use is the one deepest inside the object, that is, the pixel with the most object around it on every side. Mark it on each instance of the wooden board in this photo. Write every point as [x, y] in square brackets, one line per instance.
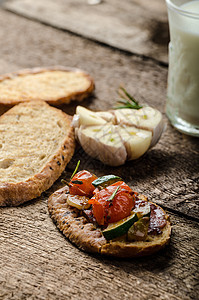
[137, 26]
[168, 174]
[36, 261]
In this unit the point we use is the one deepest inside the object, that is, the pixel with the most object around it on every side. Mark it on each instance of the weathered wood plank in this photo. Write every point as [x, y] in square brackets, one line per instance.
[137, 26]
[37, 262]
[168, 174]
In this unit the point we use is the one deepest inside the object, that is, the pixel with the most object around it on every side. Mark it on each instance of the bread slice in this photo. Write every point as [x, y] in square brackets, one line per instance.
[55, 85]
[36, 143]
[85, 236]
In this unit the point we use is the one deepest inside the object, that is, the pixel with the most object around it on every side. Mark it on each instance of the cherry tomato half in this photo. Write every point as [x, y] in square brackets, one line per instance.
[120, 207]
[81, 184]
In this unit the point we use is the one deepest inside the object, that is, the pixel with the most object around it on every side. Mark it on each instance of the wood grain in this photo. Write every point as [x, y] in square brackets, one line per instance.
[169, 173]
[137, 26]
[36, 261]
[39, 261]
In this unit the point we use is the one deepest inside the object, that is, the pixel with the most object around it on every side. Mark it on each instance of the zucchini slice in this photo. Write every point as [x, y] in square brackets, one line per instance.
[119, 228]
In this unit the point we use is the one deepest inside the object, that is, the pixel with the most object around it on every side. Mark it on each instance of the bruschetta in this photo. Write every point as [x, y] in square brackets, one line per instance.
[104, 215]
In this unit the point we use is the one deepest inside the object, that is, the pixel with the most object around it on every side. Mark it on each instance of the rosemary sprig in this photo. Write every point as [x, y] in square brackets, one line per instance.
[113, 194]
[126, 100]
[77, 181]
[76, 168]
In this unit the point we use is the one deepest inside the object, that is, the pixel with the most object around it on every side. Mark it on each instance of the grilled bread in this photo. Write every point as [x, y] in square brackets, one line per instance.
[36, 143]
[55, 85]
[87, 237]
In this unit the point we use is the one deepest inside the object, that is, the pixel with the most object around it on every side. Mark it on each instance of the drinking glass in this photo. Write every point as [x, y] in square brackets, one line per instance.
[182, 106]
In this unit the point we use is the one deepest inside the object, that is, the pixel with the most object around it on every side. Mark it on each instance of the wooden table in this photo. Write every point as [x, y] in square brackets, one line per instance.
[36, 260]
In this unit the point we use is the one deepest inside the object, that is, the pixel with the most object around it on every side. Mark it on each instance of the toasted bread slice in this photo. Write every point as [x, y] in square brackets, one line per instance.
[85, 235]
[55, 85]
[36, 143]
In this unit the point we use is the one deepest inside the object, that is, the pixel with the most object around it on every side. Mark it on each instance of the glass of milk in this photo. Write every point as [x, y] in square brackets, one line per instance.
[182, 105]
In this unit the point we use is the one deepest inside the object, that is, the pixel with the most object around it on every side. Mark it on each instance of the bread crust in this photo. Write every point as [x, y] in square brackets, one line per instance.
[13, 194]
[86, 237]
[77, 95]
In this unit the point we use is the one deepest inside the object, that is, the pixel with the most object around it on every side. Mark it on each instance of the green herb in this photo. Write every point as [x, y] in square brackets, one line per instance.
[105, 180]
[77, 181]
[126, 100]
[76, 168]
[113, 195]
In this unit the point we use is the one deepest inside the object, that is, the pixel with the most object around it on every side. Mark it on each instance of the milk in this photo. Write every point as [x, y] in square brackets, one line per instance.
[183, 78]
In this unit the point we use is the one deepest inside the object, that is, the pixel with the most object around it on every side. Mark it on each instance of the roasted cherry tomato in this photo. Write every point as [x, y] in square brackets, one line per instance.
[81, 184]
[108, 211]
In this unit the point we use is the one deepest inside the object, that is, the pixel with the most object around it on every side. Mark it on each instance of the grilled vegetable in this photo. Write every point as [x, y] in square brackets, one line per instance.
[81, 184]
[103, 143]
[143, 210]
[107, 210]
[88, 117]
[146, 118]
[136, 141]
[119, 228]
[80, 202]
[139, 230]
[118, 135]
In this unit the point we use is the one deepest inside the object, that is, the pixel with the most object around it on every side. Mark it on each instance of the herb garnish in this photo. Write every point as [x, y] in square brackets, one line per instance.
[126, 100]
[113, 194]
[74, 181]
[105, 180]
[76, 168]
[77, 181]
